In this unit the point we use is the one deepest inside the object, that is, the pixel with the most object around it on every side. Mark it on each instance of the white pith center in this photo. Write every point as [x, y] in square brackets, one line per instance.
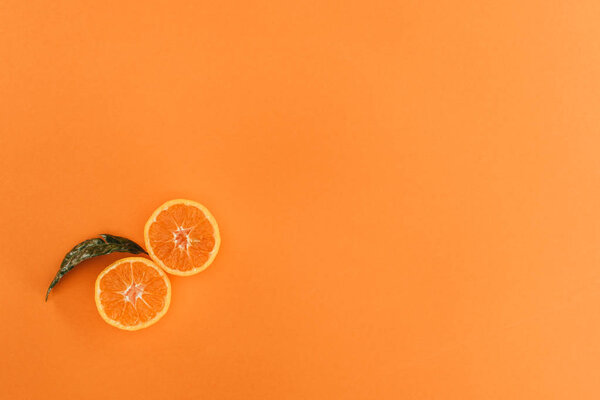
[181, 237]
[133, 292]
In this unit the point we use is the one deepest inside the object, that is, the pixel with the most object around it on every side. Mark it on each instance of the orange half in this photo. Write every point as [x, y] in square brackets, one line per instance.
[182, 237]
[132, 293]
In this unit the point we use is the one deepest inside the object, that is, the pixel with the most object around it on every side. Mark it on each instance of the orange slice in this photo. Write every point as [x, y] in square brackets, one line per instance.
[182, 237]
[132, 293]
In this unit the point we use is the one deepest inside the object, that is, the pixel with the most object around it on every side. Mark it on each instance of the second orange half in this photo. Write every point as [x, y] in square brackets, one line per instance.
[182, 237]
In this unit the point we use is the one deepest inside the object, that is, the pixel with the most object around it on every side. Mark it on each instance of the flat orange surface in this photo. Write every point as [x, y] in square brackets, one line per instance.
[408, 194]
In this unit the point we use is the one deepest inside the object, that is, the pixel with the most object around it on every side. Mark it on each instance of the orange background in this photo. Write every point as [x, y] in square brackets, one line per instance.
[408, 193]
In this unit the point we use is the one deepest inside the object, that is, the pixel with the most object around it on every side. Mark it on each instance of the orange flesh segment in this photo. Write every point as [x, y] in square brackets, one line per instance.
[132, 293]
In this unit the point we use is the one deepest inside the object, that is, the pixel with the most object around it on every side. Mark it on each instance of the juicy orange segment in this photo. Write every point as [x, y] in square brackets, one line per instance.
[132, 293]
[182, 237]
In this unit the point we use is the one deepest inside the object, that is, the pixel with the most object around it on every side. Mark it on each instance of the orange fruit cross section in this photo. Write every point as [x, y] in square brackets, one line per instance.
[132, 293]
[182, 237]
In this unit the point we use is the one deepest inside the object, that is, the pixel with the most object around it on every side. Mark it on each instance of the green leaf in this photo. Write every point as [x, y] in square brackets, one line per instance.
[94, 248]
